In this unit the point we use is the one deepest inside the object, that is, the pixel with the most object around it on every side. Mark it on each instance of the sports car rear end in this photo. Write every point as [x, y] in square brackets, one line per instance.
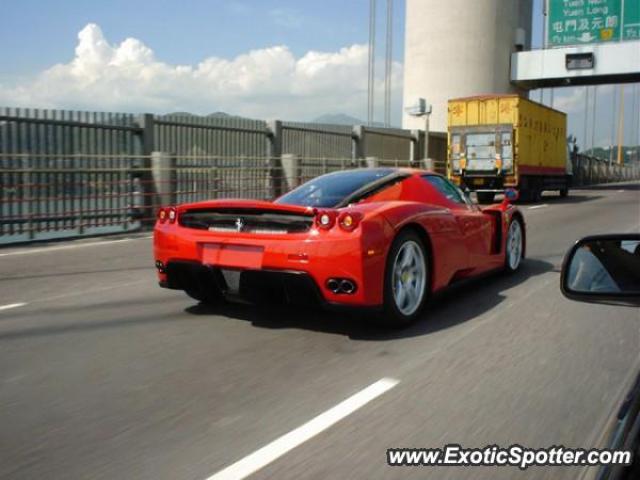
[267, 252]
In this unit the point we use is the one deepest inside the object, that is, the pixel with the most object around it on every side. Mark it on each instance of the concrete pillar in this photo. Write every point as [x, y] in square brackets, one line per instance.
[274, 152]
[291, 167]
[357, 143]
[213, 183]
[459, 48]
[163, 169]
[414, 148]
[149, 193]
[372, 162]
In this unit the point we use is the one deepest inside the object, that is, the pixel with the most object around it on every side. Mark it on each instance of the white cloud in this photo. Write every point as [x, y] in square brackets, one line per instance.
[265, 83]
[572, 99]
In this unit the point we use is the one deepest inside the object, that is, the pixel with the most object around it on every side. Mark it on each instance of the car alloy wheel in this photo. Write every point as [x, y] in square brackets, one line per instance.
[409, 277]
[514, 245]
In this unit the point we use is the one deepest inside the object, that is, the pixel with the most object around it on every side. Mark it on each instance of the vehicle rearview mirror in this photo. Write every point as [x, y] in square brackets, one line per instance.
[511, 194]
[603, 269]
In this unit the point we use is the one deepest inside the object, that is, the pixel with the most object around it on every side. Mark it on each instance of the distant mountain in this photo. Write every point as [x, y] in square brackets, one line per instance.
[210, 115]
[343, 119]
[327, 119]
[221, 115]
[180, 114]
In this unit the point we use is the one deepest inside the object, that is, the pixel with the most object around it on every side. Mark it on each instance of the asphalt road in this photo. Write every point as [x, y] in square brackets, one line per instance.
[104, 375]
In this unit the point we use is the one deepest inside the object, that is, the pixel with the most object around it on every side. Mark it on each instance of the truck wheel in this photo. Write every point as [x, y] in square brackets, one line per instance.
[564, 192]
[485, 197]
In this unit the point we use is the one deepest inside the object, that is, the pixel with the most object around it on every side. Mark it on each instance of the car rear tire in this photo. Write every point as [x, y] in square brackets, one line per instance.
[485, 197]
[514, 245]
[406, 280]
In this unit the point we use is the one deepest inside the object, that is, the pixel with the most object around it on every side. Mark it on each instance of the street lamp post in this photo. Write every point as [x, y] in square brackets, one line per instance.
[423, 109]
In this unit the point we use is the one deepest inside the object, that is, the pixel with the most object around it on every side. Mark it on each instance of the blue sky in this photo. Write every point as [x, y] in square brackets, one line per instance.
[36, 33]
[324, 53]
[265, 59]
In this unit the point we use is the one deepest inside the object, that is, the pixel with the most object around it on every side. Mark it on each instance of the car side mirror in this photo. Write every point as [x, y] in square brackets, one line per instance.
[603, 269]
[511, 195]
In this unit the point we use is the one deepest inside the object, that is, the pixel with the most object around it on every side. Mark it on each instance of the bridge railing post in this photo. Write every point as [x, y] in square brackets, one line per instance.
[358, 150]
[274, 160]
[165, 178]
[146, 123]
[291, 170]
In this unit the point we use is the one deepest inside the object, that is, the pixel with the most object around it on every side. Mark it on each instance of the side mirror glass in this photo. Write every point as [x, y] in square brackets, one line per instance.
[603, 269]
[511, 194]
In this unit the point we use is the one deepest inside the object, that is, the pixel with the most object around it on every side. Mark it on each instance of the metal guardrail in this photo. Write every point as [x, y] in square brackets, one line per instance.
[69, 173]
[46, 196]
[591, 171]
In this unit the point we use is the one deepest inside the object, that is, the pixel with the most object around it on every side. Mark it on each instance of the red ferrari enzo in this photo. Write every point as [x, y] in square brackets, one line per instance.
[380, 237]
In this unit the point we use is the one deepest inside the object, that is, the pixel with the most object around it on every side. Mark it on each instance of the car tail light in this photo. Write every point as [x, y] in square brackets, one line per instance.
[172, 213]
[167, 214]
[349, 221]
[325, 219]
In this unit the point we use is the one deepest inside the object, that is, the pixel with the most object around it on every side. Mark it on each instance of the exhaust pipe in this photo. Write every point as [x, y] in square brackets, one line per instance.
[333, 284]
[347, 286]
[341, 285]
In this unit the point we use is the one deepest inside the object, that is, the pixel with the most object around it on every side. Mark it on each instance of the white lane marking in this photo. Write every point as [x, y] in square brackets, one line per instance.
[68, 247]
[620, 191]
[538, 206]
[12, 305]
[270, 452]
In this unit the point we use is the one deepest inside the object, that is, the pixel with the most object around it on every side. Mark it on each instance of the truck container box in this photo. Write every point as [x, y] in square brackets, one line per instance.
[499, 141]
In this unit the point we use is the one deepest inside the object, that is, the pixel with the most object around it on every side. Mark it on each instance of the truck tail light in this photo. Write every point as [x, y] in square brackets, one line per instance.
[463, 163]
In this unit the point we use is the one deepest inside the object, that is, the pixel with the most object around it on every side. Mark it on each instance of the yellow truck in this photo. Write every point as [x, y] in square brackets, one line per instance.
[501, 141]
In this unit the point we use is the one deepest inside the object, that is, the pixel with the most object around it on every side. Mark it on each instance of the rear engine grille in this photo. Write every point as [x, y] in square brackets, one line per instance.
[246, 221]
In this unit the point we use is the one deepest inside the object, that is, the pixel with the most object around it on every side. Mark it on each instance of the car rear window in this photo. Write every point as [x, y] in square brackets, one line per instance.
[329, 190]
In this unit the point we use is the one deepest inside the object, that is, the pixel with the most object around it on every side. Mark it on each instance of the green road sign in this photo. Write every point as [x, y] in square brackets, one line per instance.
[576, 22]
[631, 23]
